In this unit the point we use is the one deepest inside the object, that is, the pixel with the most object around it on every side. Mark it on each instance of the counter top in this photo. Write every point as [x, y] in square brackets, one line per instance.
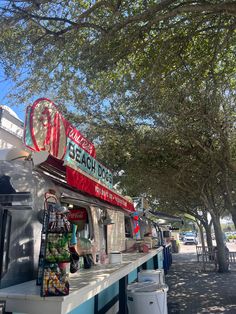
[85, 284]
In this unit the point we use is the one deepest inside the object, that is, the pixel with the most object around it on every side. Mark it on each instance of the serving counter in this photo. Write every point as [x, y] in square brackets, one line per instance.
[95, 290]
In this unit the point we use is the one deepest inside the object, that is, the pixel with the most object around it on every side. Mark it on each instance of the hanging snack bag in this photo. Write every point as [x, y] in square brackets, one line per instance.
[55, 281]
[57, 249]
[58, 221]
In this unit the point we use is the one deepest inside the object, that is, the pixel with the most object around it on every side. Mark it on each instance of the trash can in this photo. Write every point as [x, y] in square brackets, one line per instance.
[147, 298]
[157, 275]
[175, 246]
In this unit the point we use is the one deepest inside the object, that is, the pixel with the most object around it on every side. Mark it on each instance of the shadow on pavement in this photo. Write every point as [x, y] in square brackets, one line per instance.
[193, 291]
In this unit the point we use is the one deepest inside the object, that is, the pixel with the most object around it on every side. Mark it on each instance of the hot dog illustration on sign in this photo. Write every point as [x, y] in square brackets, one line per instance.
[47, 130]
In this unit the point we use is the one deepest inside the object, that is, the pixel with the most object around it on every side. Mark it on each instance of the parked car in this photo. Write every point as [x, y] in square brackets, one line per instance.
[190, 238]
[181, 235]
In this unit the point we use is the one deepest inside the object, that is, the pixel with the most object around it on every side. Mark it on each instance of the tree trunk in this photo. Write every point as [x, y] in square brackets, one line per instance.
[233, 213]
[208, 236]
[221, 253]
[201, 236]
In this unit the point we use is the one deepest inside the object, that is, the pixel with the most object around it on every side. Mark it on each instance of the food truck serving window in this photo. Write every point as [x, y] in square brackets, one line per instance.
[82, 229]
[128, 227]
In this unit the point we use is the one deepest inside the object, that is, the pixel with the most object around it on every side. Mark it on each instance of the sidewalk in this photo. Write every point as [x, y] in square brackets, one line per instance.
[193, 291]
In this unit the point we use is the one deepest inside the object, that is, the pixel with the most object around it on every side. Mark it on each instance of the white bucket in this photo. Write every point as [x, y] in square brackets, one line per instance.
[115, 258]
[147, 298]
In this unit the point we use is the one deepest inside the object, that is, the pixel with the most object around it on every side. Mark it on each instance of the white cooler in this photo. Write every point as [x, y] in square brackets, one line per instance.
[147, 298]
[157, 276]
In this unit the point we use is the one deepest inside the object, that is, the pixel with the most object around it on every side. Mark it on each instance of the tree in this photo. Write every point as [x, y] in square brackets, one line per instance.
[60, 47]
[187, 156]
[154, 81]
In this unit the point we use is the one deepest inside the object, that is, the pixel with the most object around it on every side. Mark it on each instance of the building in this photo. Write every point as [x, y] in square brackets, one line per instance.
[11, 128]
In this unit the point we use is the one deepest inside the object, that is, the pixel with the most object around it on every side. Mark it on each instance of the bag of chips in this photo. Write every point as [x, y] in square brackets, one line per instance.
[57, 248]
[55, 281]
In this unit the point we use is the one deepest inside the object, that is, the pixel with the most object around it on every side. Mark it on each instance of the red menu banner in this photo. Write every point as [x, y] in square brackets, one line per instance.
[83, 183]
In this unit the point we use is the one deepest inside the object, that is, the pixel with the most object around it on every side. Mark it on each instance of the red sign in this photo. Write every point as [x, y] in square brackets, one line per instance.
[83, 183]
[46, 129]
[77, 215]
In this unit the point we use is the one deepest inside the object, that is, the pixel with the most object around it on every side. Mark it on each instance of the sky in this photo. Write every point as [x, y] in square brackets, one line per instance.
[19, 108]
[5, 86]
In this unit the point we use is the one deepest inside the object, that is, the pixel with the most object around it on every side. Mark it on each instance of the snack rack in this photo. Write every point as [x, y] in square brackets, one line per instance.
[54, 251]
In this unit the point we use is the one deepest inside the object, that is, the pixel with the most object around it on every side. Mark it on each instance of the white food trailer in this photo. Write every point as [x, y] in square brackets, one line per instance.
[58, 170]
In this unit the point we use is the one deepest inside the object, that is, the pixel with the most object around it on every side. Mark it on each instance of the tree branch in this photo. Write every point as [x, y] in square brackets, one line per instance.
[226, 8]
[74, 25]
